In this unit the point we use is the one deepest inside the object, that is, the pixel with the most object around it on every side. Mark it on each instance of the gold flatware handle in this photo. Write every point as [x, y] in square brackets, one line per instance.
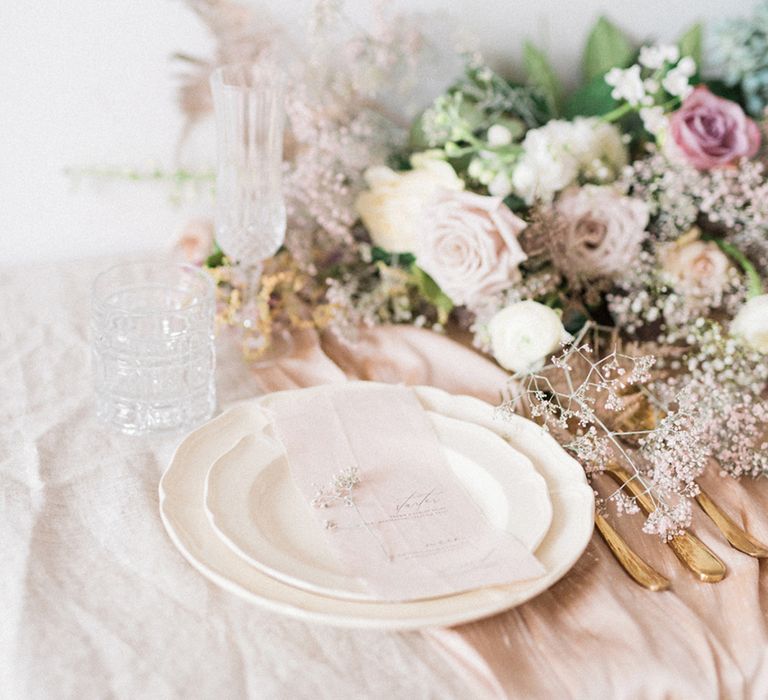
[689, 549]
[641, 572]
[736, 536]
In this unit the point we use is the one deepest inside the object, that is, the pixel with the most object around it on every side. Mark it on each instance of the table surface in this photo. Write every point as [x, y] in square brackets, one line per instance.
[98, 603]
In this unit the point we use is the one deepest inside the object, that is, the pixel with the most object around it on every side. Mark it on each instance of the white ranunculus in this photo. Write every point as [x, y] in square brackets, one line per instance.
[392, 208]
[751, 323]
[524, 334]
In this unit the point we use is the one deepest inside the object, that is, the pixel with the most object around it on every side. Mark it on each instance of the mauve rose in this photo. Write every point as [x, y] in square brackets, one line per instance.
[711, 132]
[469, 246]
[603, 231]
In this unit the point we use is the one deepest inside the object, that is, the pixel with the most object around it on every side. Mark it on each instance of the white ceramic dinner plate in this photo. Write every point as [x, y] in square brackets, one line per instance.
[254, 506]
[182, 489]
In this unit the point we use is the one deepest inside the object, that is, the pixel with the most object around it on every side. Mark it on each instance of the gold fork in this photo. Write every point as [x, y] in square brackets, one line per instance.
[689, 549]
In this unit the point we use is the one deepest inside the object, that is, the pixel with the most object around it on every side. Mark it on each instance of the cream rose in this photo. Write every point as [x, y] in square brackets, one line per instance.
[392, 209]
[751, 323]
[603, 231]
[696, 268]
[469, 246]
[524, 334]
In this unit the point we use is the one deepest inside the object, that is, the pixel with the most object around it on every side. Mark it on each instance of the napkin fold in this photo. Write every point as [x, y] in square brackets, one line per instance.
[398, 520]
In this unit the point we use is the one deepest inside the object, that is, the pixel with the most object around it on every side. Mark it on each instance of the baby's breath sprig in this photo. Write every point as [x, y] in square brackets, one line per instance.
[585, 398]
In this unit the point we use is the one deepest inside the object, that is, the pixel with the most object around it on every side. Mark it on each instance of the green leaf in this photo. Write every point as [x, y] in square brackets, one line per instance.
[515, 203]
[541, 75]
[728, 92]
[591, 100]
[574, 320]
[431, 291]
[690, 43]
[607, 48]
[392, 259]
[754, 283]
[216, 258]
[417, 139]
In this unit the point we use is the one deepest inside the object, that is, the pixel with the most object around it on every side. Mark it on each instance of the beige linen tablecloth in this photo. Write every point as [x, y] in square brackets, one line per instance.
[96, 602]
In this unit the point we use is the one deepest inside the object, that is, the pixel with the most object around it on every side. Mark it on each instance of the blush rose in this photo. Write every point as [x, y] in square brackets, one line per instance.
[469, 246]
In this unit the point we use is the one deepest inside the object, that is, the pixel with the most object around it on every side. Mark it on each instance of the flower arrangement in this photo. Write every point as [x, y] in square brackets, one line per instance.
[636, 206]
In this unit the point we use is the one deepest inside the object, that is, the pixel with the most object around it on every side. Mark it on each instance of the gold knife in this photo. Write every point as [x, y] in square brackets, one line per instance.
[689, 549]
[736, 536]
[641, 572]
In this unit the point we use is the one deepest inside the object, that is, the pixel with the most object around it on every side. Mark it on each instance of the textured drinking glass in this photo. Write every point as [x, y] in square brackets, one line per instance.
[250, 112]
[152, 342]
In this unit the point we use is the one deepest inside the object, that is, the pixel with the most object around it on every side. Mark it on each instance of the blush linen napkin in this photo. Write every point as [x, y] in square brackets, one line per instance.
[403, 525]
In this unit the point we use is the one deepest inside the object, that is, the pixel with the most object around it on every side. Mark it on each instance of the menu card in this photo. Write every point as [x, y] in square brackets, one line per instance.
[368, 460]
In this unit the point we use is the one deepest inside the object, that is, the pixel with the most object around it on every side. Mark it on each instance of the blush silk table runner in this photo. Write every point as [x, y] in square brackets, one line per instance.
[97, 602]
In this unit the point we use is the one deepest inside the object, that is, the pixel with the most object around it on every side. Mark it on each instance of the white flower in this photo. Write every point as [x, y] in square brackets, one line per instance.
[524, 334]
[477, 169]
[687, 66]
[627, 84]
[676, 83]
[653, 57]
[469, 246]
[671, 52]
[556, 154]
[500, 186]
[654, 119]
[751, 323]
[606, 144]
[650, 85]
[392, 209]
[499, 135]
[546, 167]
[650, 57]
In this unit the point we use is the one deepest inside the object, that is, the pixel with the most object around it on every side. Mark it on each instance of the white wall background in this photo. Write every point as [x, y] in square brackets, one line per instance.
[90, 83]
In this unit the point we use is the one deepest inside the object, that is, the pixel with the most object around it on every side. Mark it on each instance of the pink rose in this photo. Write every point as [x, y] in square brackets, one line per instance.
[469, 246]
[196, 240]
[601, 231]
[711, 132]
[696, 268]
